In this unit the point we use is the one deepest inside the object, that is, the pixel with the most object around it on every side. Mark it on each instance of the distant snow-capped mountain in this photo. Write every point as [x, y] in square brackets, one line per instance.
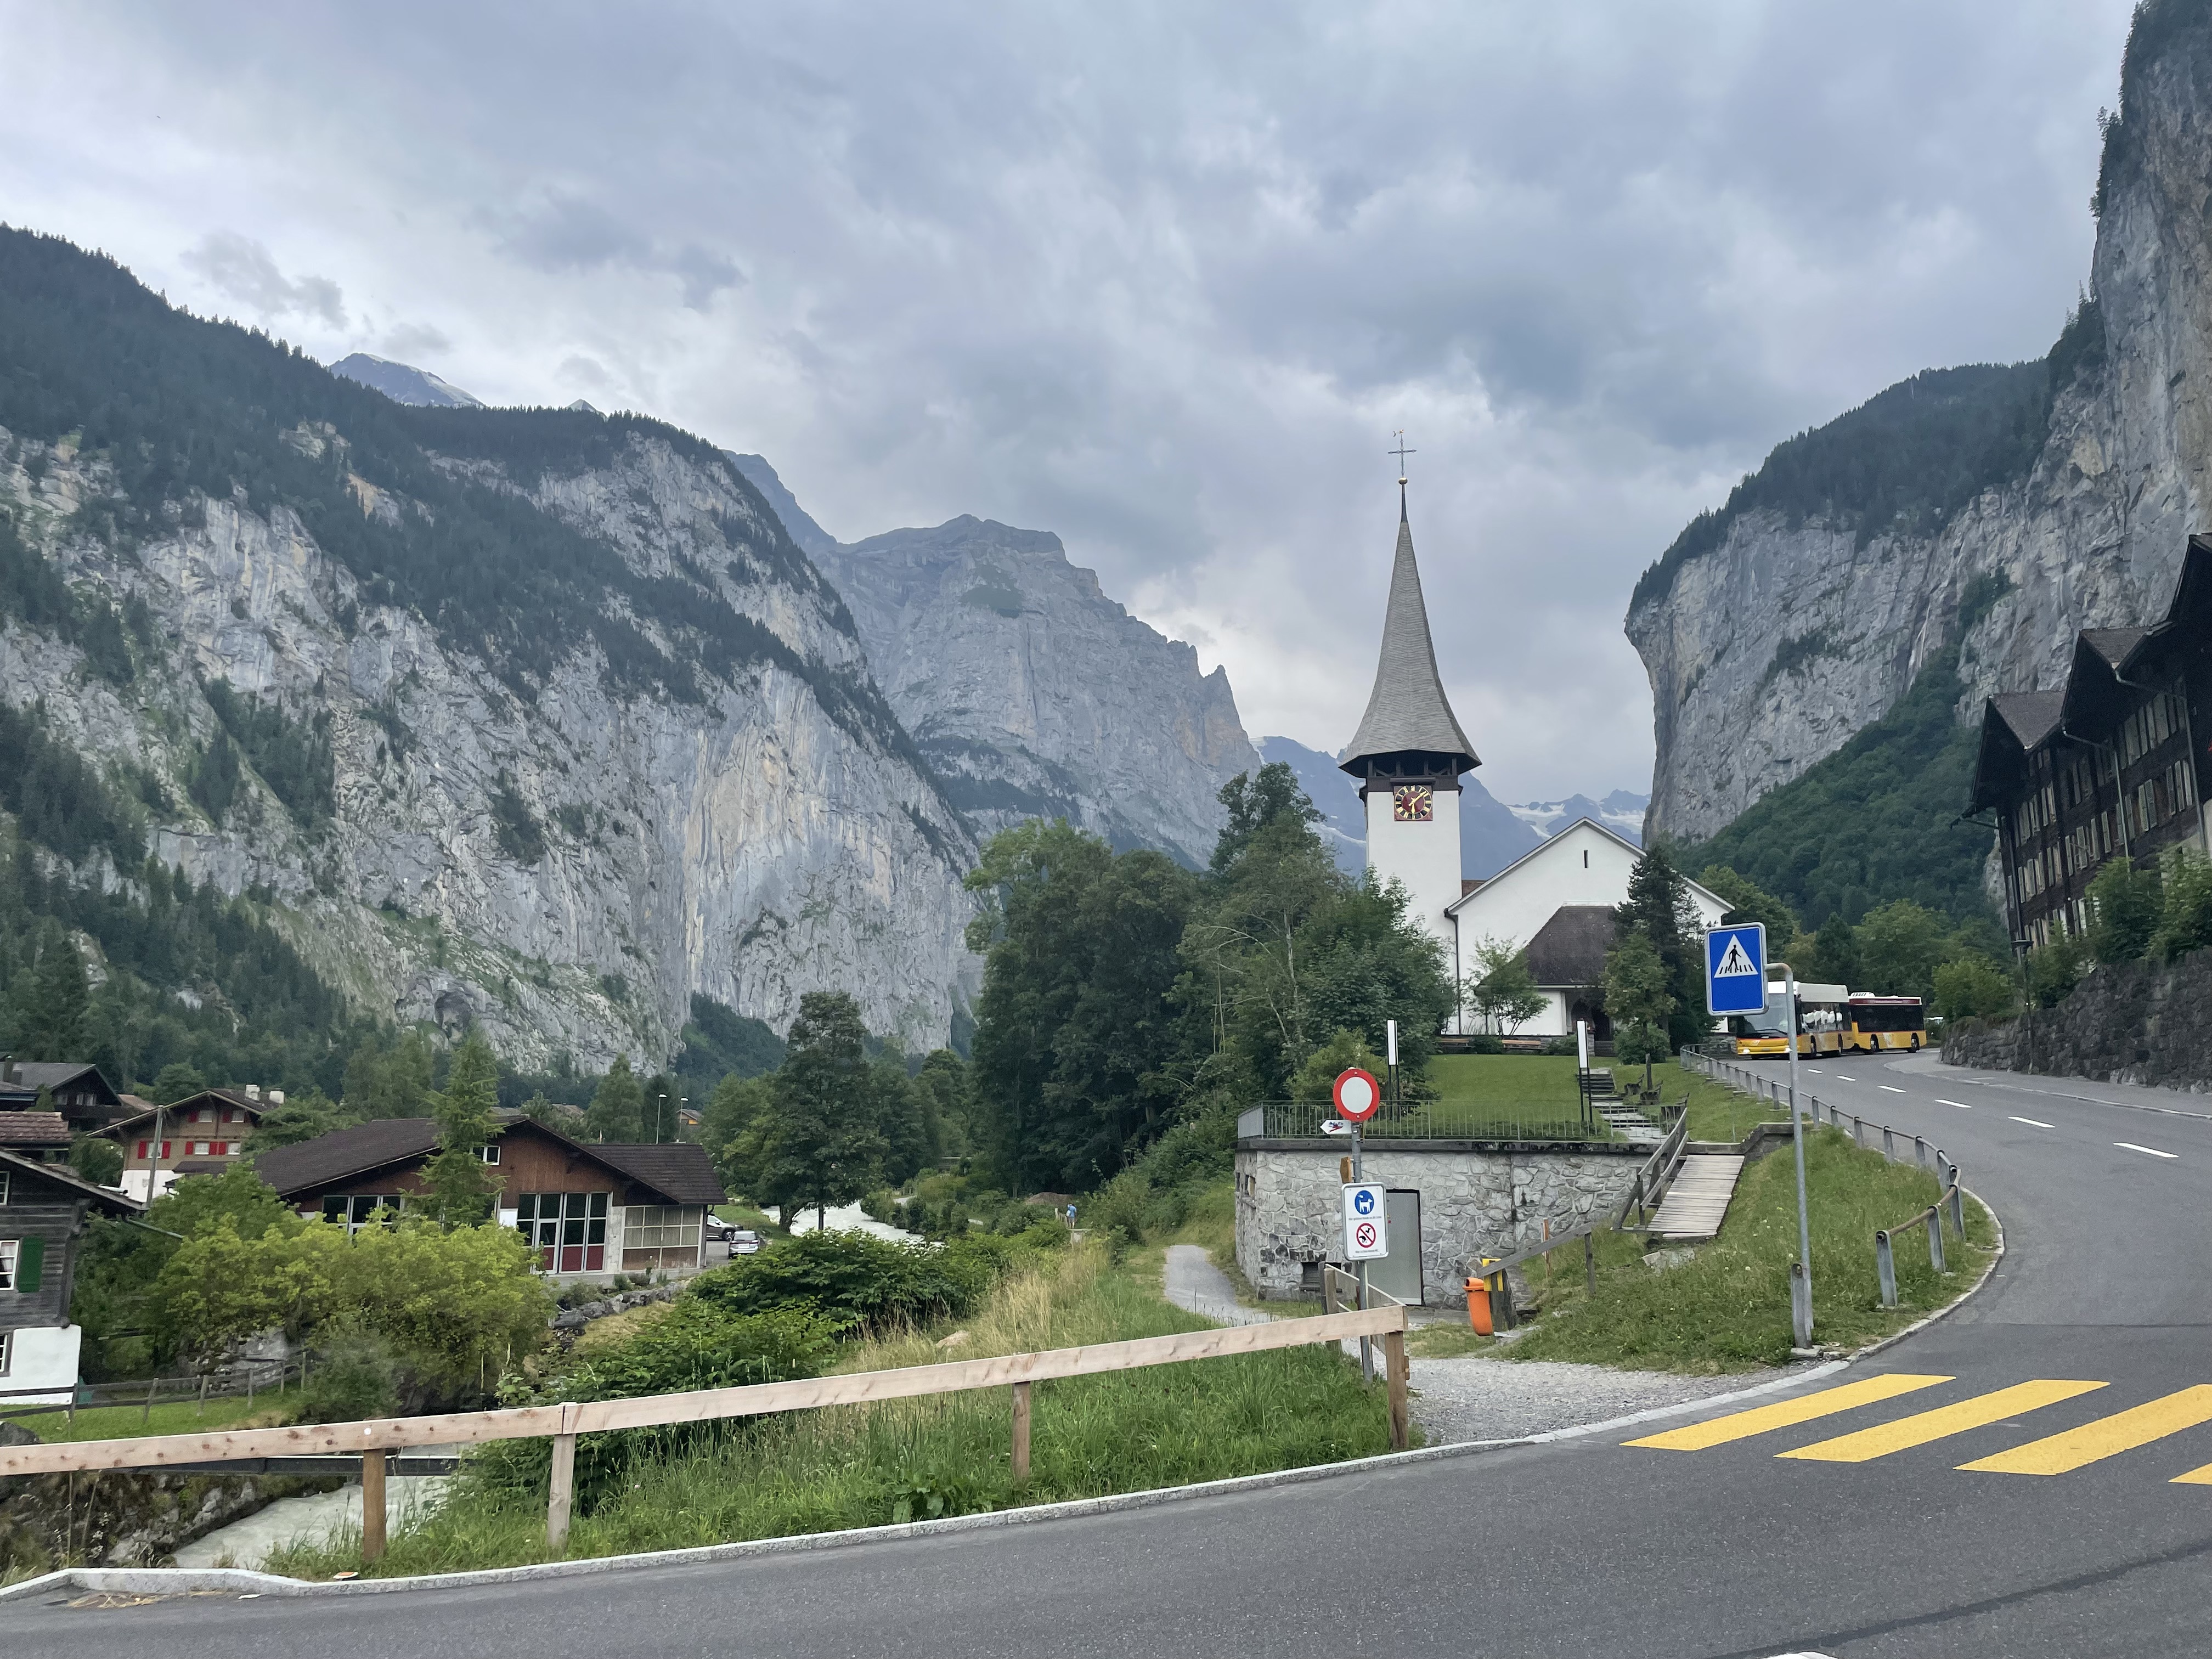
[1621, 811]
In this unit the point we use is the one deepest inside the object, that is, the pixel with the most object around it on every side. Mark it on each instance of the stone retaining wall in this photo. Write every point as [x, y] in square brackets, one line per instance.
[2130, 1022]
[1477, 1199]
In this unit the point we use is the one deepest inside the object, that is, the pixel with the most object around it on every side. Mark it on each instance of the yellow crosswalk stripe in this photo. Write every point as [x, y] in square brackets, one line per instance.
[1741, 1425]
[2195, 1478]
[1923, 1426]
[2057, 1453]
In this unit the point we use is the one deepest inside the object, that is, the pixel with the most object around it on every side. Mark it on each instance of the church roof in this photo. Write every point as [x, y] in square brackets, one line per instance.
[1408, 711]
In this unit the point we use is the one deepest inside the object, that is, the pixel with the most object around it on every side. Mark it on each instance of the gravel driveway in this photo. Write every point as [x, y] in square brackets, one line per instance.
[1477, 1397]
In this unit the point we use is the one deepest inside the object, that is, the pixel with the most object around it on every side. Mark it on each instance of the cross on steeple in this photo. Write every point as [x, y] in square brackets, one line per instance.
[1401, 452]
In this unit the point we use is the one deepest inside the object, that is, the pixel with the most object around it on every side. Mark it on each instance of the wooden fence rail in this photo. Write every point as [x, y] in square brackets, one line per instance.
[563, 1423]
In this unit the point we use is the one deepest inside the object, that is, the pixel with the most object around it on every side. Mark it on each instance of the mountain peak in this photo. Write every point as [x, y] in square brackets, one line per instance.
[403, 383]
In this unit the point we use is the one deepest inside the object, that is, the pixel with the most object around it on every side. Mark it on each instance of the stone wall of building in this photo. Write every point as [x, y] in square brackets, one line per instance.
[1477, 1199]
[2130, 1022]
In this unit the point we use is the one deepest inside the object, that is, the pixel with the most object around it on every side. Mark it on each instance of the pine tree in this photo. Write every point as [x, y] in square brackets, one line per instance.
[60, 1006]
[617, 1109]
[462, 1185]
[822, 1142]
[1658, 907]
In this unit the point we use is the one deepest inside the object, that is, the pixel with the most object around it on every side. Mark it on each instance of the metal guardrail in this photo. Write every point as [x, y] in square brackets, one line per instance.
[1422, 1121]
[1925, 1155]
[372, 1439]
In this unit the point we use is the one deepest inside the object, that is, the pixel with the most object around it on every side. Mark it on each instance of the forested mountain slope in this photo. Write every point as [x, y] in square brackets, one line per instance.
[536, 720]
[1998, 509]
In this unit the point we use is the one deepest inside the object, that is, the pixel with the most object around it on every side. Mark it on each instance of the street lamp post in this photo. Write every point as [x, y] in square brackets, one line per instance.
[1801, 1282]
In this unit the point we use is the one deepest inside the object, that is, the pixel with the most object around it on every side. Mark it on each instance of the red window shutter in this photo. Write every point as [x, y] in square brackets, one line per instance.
[142, 1149]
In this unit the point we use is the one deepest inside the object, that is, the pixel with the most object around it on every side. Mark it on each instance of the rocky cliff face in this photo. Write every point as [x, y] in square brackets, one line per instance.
[1030, 691]
[562, 856]
[1777, 638]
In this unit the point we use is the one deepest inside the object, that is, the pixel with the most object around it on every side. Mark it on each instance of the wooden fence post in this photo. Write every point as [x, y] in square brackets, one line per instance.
[1021, 1433]
[1393, 1361]
[371, 1505]
[561, 1488]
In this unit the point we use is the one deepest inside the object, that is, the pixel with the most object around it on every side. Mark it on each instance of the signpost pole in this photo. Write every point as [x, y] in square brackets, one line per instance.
[1366, 1343]
[1800, 1308]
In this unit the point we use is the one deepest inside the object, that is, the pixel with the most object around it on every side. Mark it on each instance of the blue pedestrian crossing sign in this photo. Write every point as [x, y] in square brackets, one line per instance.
[1735, 969]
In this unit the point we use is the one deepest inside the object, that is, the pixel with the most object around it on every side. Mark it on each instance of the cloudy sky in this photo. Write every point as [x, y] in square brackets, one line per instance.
[1163, 278]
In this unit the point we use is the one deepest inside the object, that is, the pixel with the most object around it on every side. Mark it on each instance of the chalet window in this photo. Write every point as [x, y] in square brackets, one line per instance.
[7, 1354]
[569, 1230]
[354, 1211]
[198, 1148]
[23, 1263]
[3, 1185]
[488, 1153]
[660, 1227]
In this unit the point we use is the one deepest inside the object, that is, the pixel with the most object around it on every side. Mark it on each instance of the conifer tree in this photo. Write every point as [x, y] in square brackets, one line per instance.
[462, 1186]
[617, 1108]
[60, 1006]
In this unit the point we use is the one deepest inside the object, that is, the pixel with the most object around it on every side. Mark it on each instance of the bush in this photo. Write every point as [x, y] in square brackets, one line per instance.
[853, 1279]
[1641, 1040]
[2054, 970]
[355, 1376]
[881, 1204]
[2186, 923]
[1486, 1043]
[2126, 903]
[1974, 987]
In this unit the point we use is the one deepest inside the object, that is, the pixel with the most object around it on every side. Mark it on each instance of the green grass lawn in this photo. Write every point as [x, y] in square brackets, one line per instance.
[128, 1422]
[900, 1460]
[1728, 1309]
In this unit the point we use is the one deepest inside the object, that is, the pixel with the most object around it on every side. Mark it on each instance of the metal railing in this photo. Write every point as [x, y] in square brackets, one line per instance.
[1925, 1155]
[1428, 1121]
[372, 1440]
[1885, 1261]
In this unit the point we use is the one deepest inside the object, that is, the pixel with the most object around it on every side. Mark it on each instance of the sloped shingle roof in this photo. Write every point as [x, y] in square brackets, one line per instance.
[680, 1169]
[345, 1151]
[1571, 948]
[34, 1129]
[1408, 711]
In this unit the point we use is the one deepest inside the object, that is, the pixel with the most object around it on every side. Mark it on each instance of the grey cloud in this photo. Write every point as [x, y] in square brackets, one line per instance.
[410, 342]
[561, 234]
[242, 270]
[1164, 279]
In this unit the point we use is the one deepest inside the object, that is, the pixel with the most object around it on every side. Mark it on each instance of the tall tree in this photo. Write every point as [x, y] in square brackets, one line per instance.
[1640, 999]
[821, 1141]
[1658, 908]
[617, 1109]
[1074, 1038]
[464, 1187]
[1835, 955]
[56, 1028]
[1252, 804]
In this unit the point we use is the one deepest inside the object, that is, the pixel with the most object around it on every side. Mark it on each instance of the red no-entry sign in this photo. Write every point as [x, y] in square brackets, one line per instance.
[1357, 1095]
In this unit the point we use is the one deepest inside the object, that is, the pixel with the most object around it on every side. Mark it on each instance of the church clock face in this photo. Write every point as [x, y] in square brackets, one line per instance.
[1413, 803]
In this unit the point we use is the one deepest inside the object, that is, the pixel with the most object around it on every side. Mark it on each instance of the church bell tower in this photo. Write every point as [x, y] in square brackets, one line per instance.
[1409, 753]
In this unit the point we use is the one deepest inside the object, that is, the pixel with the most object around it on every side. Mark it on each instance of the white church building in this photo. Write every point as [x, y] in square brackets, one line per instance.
[1557, 902]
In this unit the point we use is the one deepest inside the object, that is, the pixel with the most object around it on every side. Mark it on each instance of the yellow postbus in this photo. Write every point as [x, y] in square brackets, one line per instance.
[1822, 1020]
[1877, 1024]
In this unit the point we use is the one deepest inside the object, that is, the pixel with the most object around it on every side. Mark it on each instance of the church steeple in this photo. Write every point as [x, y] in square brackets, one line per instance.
[1409, 726]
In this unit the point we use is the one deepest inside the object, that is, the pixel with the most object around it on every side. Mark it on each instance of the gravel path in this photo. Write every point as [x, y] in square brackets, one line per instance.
[1477, 1398]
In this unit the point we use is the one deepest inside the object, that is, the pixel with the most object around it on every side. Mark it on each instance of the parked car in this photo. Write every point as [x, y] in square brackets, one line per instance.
[744, 1240]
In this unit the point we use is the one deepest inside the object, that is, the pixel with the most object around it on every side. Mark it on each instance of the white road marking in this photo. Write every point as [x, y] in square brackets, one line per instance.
[1815, 1071]
[1961, 1104]
[1889, 1088]
[2130, 1147]
[2035, 1123]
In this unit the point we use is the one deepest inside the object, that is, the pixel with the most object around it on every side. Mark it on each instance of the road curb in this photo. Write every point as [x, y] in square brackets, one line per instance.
[1964, 1297]
[182, 1581]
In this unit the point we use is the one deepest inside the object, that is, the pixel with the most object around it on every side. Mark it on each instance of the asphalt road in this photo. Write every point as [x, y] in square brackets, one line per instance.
[1579, 1547]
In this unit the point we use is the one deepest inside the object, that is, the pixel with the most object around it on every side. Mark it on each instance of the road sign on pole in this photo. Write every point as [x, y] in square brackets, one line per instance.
[1357, 1095]
[1366, 1223]
[1735, 969]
